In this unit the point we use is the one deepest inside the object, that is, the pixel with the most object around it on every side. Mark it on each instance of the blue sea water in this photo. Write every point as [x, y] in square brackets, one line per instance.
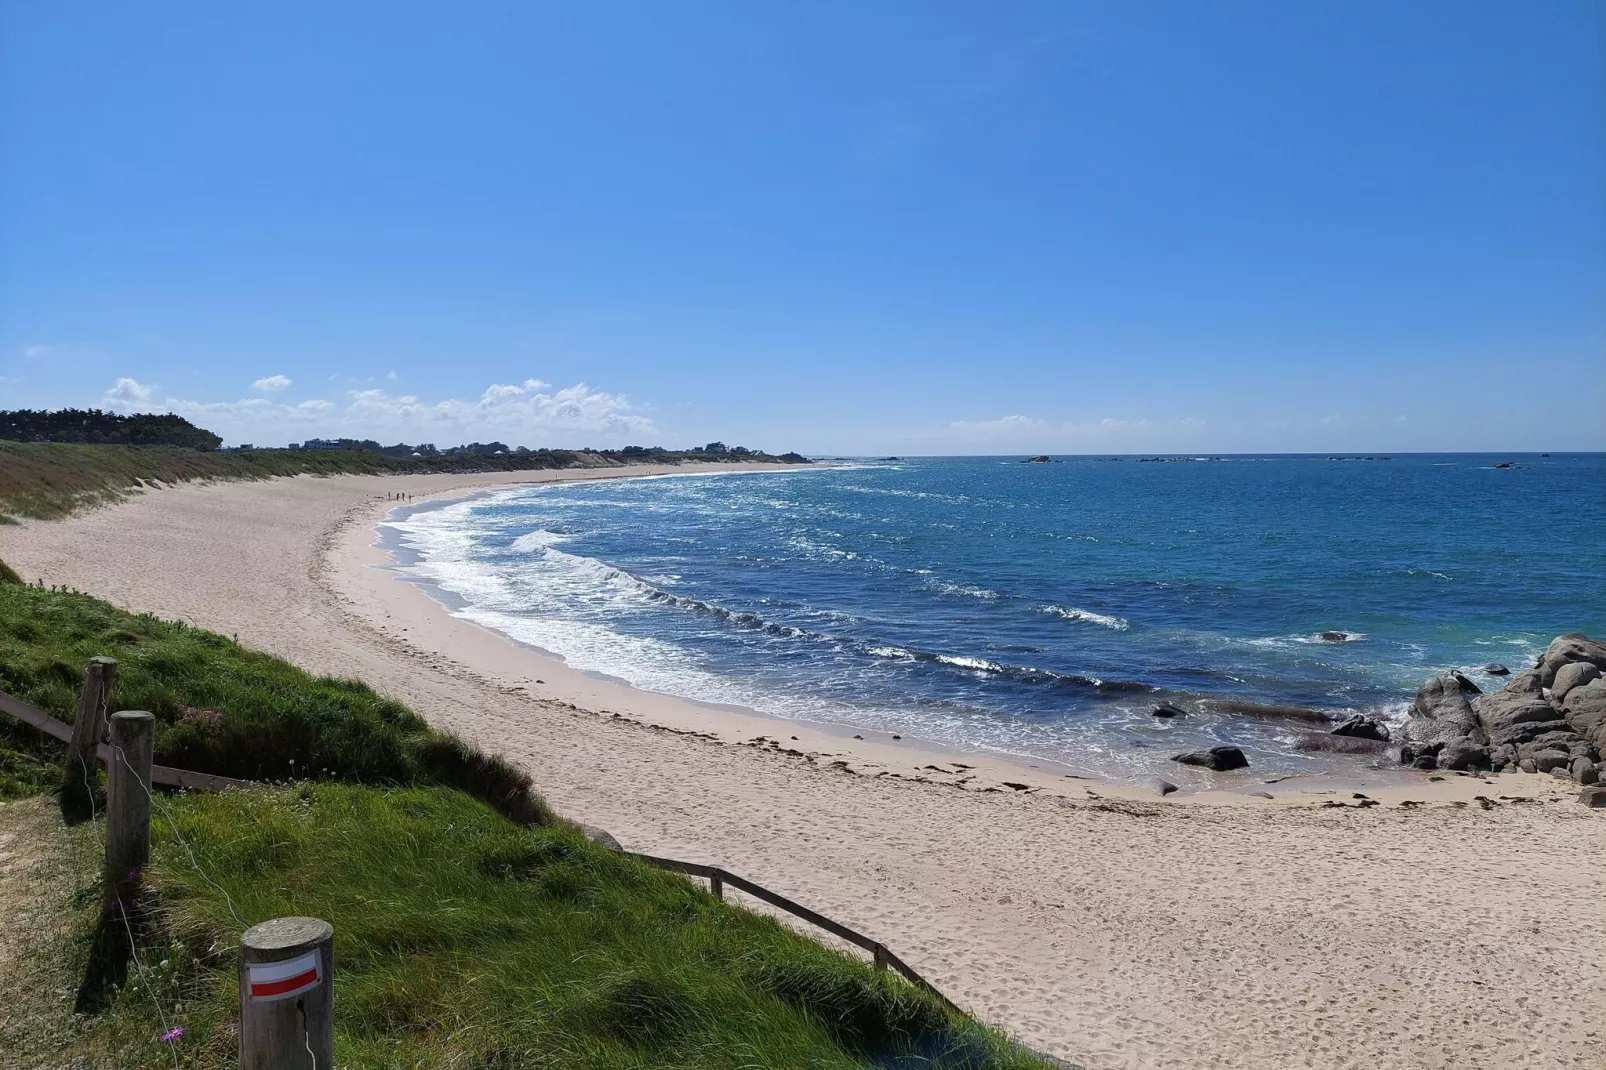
[1042, 609]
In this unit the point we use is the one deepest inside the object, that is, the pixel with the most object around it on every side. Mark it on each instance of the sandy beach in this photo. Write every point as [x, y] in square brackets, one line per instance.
[1094, 921]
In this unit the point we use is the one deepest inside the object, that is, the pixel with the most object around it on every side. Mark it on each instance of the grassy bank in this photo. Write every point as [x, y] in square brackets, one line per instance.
[474, 929]
[44, 480]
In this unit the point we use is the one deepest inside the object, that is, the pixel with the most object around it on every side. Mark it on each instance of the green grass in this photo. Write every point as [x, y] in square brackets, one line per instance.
[465, 941]
[474, 929]
[221, 708]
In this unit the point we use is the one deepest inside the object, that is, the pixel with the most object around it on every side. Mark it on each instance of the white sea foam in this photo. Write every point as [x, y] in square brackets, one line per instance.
[1087, 617]
[963, 590]
[979, 664]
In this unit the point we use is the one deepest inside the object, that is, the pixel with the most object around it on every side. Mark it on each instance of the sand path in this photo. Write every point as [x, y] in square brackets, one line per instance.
[1112, 932]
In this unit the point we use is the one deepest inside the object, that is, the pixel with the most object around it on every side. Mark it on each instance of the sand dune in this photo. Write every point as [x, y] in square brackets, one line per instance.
[1095, 924]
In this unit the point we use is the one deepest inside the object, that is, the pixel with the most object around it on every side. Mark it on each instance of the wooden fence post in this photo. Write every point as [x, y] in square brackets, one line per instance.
[716, 884]
[88, 727]
[128, 799]
[287, 995]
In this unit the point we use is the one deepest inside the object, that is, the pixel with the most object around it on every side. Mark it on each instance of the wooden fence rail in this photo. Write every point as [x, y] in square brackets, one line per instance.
[717, 878]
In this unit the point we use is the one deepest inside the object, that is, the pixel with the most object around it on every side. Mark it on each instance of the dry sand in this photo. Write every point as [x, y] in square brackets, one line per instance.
[1093, 921]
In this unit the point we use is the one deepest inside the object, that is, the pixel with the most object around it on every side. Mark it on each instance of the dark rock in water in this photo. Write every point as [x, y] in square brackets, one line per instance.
[1573, 674]
[1241, 708]
[1494, 668]
[1441, 712]
[1169, 709]
[1593, 796]
[1463, 754]
[1335, 637]
[1466, 685]
[1037, 460]
[1164, 787]
[1322, 742]
[600, 836]
[1220, 759]
[1363, 727]
[1567, 649]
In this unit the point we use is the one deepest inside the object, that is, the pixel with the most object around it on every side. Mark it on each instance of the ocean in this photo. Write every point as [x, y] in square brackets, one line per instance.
[1041, 611]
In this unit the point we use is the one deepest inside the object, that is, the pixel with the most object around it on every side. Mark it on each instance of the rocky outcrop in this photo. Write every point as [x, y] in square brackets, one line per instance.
[1363, 727]
[1568, 650]
[1551, 719]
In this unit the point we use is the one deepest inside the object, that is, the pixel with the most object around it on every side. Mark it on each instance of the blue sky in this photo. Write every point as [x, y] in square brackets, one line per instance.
[835, 227]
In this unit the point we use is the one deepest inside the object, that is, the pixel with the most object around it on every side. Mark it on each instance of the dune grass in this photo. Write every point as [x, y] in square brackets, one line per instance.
[46, 480]
[465, 941]
[221, 708]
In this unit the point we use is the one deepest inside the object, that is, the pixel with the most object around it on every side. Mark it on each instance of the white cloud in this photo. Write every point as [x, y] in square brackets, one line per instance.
[43, 352]
[531, 413]
[127, 394]
[271, 383]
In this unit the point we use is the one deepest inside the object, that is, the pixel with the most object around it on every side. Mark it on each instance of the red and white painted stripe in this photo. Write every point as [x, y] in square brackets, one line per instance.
[281, 980]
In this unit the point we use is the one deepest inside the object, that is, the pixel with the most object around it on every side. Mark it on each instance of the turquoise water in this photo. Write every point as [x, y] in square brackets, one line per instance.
[1042, 609]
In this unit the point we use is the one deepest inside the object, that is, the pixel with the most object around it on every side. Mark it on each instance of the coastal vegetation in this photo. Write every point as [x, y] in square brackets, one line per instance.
[46, 480]
[474, 927]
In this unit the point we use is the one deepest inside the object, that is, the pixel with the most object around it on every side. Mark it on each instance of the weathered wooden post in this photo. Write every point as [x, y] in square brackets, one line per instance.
[716, 884]
[128, 800]
[287, 995]
[88, 726]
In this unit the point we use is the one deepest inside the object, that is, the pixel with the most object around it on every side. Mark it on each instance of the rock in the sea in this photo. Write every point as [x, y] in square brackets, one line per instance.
[1218, 758]
[1335, 637]
[1441, 712]
[1567, 649]
[1494, 668]
[1463, 754]
[1571, 675]
[1363, 727]
[1466, 685]
[1169, 709]
[1594, 795]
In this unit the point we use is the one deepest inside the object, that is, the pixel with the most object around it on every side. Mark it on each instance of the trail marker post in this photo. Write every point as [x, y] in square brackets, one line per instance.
[128, 799]
[287, 995]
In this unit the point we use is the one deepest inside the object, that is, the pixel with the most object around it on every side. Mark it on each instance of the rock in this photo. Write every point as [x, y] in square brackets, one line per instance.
[1441, 712]
[1547, 760]
[1527, 766]
[1594, 795]
[1494, 668]
[1567, 649]
[1583, 771]
[1571, 675]
[1411, 752]
[600, 836]
[1466, 685]
[1169, 709]
[1164, 787]
[1585, 710]
[1218, 758]
[1517, 714]
[1262, 795]
[1503, 757]
[1463, 754]
[1363, 727]
[1041, 459]
[1335, 637]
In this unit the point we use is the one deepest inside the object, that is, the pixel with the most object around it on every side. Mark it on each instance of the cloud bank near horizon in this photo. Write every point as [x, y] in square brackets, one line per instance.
[531, 413]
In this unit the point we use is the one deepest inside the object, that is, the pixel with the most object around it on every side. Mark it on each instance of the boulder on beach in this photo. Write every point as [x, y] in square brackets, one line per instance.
[1463, 754]
[1220, 759]
[1363, 727]
[1585, 710]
